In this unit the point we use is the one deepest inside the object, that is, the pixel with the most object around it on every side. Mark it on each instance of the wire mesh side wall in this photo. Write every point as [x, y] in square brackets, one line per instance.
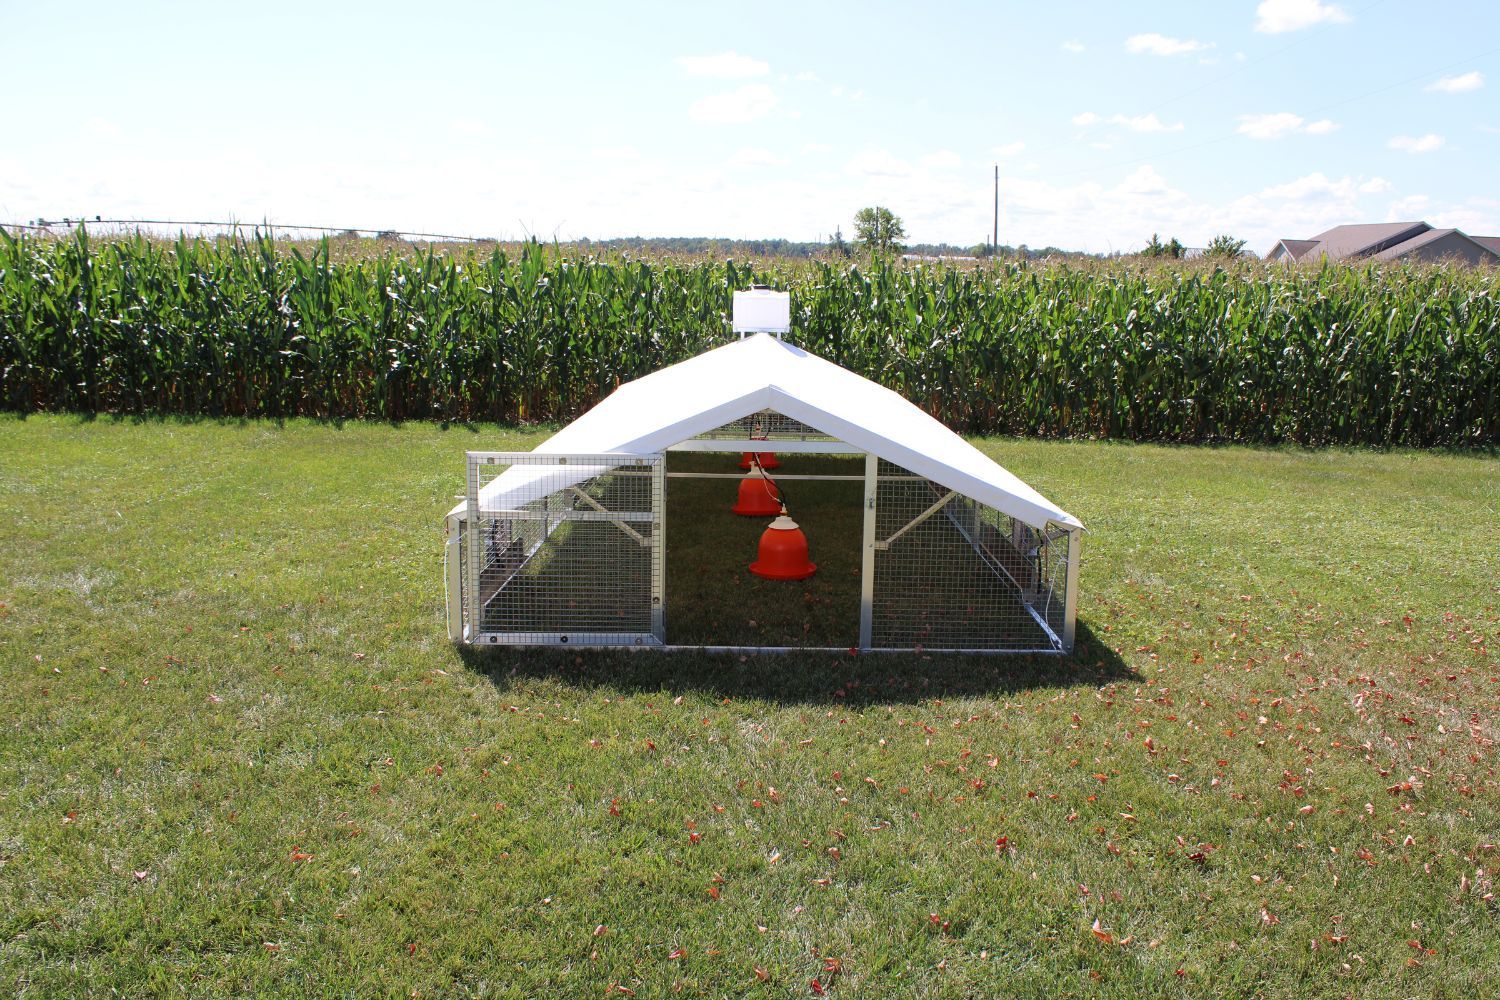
[767, 424]
[564, 549]
[1055, 550]
[953, 573]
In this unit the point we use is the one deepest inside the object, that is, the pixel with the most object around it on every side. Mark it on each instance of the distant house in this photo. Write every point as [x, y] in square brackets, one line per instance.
[1390, 241]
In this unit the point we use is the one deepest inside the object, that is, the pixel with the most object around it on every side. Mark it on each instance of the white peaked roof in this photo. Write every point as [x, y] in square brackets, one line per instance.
[761, 372]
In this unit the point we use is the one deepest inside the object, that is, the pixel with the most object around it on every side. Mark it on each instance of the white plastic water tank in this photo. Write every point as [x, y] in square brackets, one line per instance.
[761, 310]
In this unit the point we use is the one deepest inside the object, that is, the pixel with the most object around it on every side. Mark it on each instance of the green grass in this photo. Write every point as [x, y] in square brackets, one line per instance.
[713, 599]
[239, 755]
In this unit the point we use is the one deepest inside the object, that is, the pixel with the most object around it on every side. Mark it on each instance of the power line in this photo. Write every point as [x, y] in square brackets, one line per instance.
[44, 225]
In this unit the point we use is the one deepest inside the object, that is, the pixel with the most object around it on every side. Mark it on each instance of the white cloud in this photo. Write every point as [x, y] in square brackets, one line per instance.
[942, 159]
[1145, 180]
[1411, 207]
[616, 153]
[748, 103]
[724, 66]
[1010, 149]
[1072, 45]
[879, 163]
[1163, 45]
[1375, 185]
[1144, 123]
[103, 128]
[1458, 84]
[1315, 186]
[1136, 123]
[1278, 125]
[1417, 144]
[1269, 126]
[817, 147]
[808, 76]
[1276, 16]
[756, 159]
[469, 126]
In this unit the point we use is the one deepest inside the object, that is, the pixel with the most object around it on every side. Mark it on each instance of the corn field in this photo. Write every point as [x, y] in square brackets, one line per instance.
[1369, 355]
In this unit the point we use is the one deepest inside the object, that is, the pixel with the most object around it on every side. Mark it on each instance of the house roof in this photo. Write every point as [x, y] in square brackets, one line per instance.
[743, 377]
[1297, 247]
[1407, 246]
[1352, 241]
[1490, 243]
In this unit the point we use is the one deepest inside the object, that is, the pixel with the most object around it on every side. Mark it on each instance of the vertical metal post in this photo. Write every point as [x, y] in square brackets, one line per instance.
[454, 572]
[867, 567]
[659, 548]
[1070, 602]
[476, 553]
[995, 240]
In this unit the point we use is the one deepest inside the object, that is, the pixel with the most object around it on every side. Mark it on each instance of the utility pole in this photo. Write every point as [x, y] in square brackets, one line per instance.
[995, 240]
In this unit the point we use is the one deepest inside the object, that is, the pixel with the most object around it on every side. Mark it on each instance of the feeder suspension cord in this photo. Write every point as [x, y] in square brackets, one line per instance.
[779, 493]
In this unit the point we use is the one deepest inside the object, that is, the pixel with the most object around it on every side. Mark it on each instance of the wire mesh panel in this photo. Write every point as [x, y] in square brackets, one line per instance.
[564, 549]
[953, 573]
[768, 425]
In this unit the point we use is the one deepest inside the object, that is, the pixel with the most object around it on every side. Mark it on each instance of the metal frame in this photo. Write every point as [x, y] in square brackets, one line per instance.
[465, 551]
[767, 444]
[505, 556]
[867, 561]
[972, 578]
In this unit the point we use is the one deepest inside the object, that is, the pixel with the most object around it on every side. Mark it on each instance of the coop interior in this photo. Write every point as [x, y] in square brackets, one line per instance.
[642, 555]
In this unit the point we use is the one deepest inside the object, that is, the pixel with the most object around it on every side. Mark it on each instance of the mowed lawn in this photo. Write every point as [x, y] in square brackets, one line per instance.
[237, 752]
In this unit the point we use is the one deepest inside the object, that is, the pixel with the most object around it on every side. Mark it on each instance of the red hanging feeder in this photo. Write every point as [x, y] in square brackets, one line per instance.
[758, 497]
[767, 460]
[783, 552]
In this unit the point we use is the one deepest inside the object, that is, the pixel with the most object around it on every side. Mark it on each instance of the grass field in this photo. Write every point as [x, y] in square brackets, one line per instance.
[238, 753]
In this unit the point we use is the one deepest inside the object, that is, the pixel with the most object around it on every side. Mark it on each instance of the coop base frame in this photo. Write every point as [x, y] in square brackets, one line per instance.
[461, 578]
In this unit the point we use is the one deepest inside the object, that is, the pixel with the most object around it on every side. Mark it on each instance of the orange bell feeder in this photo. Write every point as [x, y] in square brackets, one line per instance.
[758, 497]
[783, 552]
[767, 460]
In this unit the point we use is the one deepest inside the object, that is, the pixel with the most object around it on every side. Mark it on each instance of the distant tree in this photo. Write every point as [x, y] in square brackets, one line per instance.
[879, 229]
[1225, 245]
[1156, 248]
[838, 246]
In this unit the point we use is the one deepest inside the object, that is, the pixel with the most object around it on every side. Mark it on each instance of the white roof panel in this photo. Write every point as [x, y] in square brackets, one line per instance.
[761, 372]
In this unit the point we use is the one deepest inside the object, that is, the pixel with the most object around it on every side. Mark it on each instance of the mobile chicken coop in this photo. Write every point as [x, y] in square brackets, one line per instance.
[570, 544]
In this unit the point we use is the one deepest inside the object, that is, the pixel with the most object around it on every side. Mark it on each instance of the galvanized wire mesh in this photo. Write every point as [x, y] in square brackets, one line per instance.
[570, 550]
[563, 549]
[1054, 552]
[767, 424]
[953, 573]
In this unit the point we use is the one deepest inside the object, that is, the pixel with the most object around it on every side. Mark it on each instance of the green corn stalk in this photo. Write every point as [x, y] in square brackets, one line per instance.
[1360, 354]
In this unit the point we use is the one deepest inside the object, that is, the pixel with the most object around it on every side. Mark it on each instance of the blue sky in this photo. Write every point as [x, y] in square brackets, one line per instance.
[1109, 120]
